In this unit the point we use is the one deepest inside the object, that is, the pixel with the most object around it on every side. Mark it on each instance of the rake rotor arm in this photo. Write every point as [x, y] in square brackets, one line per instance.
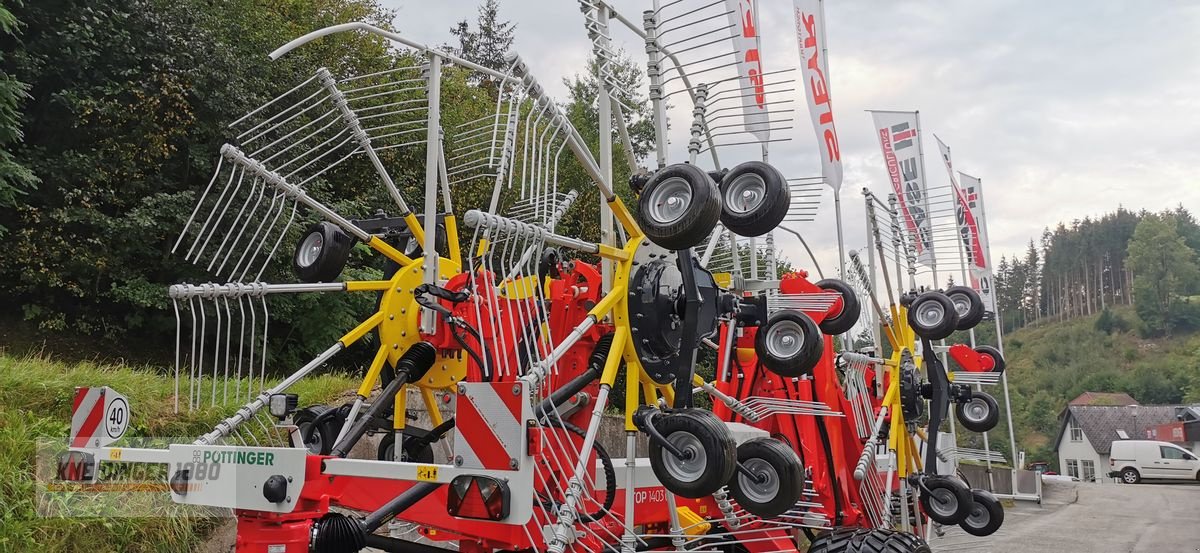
[395, 37]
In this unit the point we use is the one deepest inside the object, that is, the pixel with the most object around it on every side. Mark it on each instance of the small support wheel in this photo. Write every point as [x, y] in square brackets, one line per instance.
[679, 207]
[754, 198]
[319, 438]
[845, 318]
[933, 316]
[968, 304]
[408, 454]
[709, 453]
[997, 358]
[776, 485]
[986, 515]
[790, 344]
[322, 253]
[979, 414]
[945, 499]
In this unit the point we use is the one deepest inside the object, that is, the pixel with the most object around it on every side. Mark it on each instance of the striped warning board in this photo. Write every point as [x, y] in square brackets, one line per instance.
[489, 425]
[99, 417]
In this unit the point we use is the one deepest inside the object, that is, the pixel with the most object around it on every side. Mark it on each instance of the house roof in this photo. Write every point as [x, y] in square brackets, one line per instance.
[1100, 423]
[1104, 398]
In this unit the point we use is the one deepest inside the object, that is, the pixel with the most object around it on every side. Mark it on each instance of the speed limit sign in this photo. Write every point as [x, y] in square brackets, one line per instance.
[100, 416]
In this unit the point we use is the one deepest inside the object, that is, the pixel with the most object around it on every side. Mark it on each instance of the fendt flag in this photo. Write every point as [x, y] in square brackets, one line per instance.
[900, 139]
[810, 34]
[743, 16]
[968, 229]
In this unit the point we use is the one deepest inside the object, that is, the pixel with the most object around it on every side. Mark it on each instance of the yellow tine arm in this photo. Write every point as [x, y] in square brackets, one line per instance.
[362, 329]
[368, 382]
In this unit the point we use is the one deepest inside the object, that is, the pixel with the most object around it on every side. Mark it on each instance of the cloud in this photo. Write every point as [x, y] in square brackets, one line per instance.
[1065, 109]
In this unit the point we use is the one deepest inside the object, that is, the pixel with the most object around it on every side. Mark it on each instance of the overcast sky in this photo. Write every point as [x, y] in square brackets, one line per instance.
[1064, 109]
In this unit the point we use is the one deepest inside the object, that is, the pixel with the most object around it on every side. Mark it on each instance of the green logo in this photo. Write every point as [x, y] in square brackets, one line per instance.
[239, 457]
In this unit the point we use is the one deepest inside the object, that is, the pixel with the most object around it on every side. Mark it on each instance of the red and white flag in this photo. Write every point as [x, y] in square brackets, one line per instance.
[899, 136]
[810, 35]
[971, 193]
[968, 227]
[743, 16]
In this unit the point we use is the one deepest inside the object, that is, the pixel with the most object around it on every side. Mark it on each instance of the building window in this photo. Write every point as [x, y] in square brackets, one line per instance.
[1073, 468]
[1076, 432]
[1089, 471]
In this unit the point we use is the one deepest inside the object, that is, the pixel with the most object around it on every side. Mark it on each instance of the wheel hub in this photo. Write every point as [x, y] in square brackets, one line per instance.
[692, 465]
[765, 485]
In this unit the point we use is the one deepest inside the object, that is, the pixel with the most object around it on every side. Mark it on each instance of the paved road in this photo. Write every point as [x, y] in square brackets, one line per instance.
[1095, 518]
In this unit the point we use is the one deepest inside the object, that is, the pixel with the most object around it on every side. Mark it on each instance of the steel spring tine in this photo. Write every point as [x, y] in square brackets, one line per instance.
[329, 118]
[200, 202]
[254, 239]
[262, 372]
[233, 224]
[254, 185]
[241, 351]
[200, 361]
[228, 339]
[208, 220]
[288, 225]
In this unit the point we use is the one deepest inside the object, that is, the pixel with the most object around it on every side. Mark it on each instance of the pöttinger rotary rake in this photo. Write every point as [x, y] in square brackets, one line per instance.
[517, 341]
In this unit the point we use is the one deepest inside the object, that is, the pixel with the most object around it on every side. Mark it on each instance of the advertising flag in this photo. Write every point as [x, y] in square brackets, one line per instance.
[971, 195]
[743, 16]
[810, 34]
[900, 141]
[968, 228]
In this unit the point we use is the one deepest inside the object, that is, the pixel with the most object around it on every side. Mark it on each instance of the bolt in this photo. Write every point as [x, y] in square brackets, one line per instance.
[462, 389]
[395, 346]
[516, 389]
[403, 311]
[512, 463]
[289, 479]
[391, 317]
[458, 460]
[289, 498]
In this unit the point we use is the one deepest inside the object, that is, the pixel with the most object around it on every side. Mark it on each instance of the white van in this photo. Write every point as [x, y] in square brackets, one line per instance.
[1133, 460]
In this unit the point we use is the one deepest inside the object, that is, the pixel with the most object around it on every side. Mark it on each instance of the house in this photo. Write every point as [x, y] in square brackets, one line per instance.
[1092, 421]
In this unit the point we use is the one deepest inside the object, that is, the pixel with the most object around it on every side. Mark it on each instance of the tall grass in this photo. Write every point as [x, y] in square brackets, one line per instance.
[35, 403]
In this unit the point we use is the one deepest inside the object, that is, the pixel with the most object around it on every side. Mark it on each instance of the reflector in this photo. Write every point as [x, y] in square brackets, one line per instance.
[478, 497]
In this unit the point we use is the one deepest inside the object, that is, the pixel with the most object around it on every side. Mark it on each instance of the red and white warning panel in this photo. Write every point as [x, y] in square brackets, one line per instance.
[99, 417]
[489, 427]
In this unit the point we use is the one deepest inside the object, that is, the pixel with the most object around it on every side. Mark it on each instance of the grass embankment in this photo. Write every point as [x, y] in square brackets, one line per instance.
[35, 402]
[1051, 363]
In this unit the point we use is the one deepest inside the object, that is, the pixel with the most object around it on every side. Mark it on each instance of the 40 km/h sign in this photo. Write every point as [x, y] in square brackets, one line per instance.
[99, 417]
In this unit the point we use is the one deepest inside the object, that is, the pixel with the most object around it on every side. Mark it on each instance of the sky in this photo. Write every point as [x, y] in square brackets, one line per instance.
[1064, 109]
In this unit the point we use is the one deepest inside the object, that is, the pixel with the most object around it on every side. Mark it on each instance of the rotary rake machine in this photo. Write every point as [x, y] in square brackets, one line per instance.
[513, 347]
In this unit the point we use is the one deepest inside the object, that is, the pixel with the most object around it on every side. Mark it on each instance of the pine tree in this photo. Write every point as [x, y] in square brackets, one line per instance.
[489, 43]
[15, 177]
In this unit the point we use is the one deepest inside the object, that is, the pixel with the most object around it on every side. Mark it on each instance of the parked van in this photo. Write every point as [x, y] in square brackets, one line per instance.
[1133, 460]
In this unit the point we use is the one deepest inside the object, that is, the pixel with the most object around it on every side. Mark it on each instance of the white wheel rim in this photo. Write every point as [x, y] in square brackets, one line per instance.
[979, 516]
[670, 200]
[962, 304]
[685, 470]
[931, 314]
[310, 249]
[1130, 477]
[759, 492]
[314, 442]
[745, 194]
[976, 410]
[784, 339]
[943, 502]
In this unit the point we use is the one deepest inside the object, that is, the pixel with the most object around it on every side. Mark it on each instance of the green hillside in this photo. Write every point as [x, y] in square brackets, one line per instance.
[1049, 364]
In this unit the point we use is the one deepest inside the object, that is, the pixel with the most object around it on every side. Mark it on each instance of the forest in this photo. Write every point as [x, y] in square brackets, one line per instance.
[101, 158]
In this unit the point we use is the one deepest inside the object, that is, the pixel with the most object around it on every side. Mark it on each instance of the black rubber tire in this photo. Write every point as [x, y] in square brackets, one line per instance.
[702, 433]
[780, 465]
[864, 540]
[332, 251]
[968, 304]
[986, 515]
[836, 540]
[1131, 476]
[771, 201]
[321, 441]
[976, 424]
[698, 218]
[997, 357]
[388, 443]
[806, 356]
[931, 302]
[845, 319]
[945, 499]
